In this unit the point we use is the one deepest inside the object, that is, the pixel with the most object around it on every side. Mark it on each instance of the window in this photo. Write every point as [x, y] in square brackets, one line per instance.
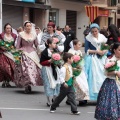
[54, 16]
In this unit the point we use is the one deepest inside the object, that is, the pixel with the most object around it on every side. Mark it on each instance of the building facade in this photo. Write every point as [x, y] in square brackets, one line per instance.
[113, 9]
[40, 12]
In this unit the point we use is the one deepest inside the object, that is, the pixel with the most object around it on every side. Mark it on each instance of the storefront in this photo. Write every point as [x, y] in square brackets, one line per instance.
[16, 12]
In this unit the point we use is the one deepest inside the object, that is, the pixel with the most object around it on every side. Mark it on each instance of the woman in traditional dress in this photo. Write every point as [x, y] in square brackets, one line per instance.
[7, 62]
[95, 60]
[50, 73]
[51, 32]
[108, 102]
[82, 90]
[28, 73]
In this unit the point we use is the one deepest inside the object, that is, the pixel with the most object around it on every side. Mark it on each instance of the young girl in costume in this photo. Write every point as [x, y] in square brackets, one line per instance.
[108, 102]
[50, 72]
[81, 80]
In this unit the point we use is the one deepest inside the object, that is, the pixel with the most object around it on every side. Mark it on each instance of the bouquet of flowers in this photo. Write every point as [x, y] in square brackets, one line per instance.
[76, 65]
[10, 48]
[111, 66]
[56, 59]
[104, 46]
[56, 40]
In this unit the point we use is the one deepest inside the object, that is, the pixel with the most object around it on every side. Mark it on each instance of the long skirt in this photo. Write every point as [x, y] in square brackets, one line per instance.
[48, 90]
[81, 87]
[108, 102]
[94, 68]
[27, 73]
[6, 68]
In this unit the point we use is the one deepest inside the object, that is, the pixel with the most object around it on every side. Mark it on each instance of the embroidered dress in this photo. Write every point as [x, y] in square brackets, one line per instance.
[81, 84]
[50, 74]
[108, 102]
[94, 65]
[7, 64]
[28, 72]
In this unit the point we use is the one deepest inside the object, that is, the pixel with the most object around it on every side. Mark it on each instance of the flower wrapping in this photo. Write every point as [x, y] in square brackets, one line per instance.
[56, 59]
[111, 66]
[10, 48]
[76, 65]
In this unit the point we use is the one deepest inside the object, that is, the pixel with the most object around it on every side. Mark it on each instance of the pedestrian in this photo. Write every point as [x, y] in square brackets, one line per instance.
[39, 34]
[51, 31]
[86, 31]
[20, 29]
[108, 102]
[7, 62]
[70, 36]
[82, 90]
[104, 32]
[114, 35]
[28, 72]
[50, 72]
[66, 89]
[95, 60]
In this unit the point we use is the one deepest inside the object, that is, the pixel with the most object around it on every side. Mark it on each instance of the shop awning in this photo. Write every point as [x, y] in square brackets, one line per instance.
[26, 4]
[93, 12]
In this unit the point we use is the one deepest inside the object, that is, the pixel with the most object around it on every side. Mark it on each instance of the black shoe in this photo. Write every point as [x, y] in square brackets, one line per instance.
[3, 85]
[75, 113]
[26, 90]
[29, 88]
[68, 103]
[48, 104]
[8, 85]
[52, 110]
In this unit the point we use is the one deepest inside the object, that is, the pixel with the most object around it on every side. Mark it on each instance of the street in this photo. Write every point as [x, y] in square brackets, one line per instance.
[15, 105]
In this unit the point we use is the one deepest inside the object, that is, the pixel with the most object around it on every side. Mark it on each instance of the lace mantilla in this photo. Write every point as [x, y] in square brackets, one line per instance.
[22, 34]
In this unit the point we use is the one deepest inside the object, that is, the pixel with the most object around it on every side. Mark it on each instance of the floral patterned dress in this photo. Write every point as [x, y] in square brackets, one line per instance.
[108, 102]
[28, 72]
[7, 63]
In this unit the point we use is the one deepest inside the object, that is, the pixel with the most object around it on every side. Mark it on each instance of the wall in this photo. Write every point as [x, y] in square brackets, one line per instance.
[82, 22]
[103, 22]
[82, 19]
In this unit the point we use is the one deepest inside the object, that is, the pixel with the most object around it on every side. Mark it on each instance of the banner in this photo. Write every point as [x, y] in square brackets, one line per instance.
[93, 12]
[26, 0]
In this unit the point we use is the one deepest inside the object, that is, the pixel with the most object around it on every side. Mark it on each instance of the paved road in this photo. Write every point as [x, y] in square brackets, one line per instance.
[15, 105]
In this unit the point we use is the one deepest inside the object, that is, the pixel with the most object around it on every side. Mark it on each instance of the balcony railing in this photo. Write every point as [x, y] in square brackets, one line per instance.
[105, 2]
[99, 1]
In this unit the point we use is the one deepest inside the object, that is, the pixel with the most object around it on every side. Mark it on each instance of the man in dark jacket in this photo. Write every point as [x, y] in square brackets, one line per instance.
[70, 36]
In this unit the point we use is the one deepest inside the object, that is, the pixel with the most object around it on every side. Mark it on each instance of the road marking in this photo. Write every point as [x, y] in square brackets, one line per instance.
[24, 109]
[31, 109]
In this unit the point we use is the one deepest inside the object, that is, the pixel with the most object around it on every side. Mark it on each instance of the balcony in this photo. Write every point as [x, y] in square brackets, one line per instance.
[100, 3]
[105, 3]
[118, 3]
[80, 1]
